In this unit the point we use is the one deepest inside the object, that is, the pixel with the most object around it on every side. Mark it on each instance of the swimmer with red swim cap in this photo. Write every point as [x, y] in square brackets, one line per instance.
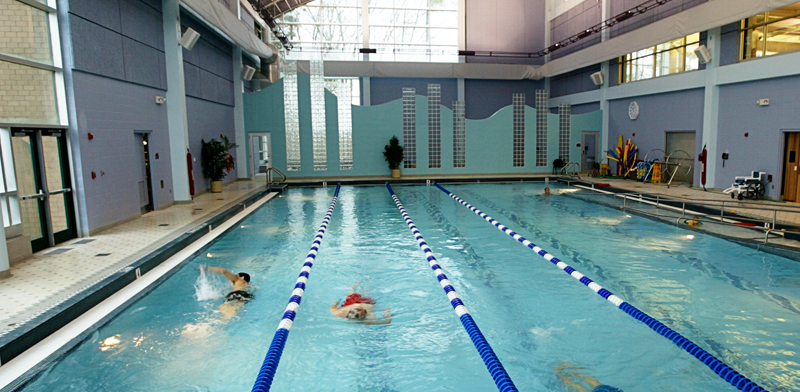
[359, 308]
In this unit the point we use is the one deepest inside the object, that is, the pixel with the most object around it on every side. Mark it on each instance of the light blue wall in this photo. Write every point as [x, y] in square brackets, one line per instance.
[675, 111]
[763, 149]
[488, 141]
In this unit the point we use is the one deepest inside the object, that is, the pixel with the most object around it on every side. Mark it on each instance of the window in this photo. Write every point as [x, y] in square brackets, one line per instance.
[772, 32]
[347, 94]
[665, 59]
[400, 30]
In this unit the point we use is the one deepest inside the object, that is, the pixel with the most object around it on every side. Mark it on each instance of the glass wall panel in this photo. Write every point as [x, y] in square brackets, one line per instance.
[28, 95]
[664, 59]
[24, 32]
[772, 32]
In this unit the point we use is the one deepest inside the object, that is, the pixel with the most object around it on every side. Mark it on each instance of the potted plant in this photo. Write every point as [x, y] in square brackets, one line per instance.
[394, 155]
[216, 161]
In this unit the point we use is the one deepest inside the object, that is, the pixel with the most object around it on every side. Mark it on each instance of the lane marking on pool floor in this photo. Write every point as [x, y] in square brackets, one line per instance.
[27, 360]
[270, 365]
[720, 368]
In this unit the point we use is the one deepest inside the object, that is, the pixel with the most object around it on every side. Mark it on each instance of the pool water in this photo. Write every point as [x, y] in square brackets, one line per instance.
[741, 305]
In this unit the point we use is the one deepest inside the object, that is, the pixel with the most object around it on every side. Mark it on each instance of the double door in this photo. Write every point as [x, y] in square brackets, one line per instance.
[43, 186]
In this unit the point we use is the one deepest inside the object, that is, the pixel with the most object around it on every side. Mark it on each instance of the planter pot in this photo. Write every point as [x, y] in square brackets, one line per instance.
[395, 173]
[216, 186]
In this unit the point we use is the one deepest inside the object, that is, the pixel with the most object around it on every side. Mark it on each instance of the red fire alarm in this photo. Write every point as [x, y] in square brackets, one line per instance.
[91, 136]
[746, 134]
[94, 175]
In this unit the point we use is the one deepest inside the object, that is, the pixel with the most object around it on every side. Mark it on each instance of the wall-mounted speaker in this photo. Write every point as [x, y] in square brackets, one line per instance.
[597, 78]
[703, 54]
[189, 38]
[247, 72]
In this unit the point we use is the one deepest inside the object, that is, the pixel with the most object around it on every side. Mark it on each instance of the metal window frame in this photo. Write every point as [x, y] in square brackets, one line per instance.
[626, 60]
[743, 32]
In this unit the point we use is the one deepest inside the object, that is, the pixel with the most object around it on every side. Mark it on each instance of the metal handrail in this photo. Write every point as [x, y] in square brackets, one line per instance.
[269, 176]
[721, 219]
[572, 165]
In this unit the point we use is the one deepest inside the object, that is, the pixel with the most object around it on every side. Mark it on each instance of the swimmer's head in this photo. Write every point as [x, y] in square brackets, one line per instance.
[245, 276]
[357, 313]
[546, 191]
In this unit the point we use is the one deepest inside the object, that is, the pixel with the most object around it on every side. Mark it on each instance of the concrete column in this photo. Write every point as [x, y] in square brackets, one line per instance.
[604, 107]
[5, 266]
[73, 133]
[711, 108]
[242, 166]
[365, 91]
[176, 101]
[460, 89]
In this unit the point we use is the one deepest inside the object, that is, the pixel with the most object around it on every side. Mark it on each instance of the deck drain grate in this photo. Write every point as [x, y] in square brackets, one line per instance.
[58, 251]
[164, 224]
[81, 242]
[102, 254]
[198, 209]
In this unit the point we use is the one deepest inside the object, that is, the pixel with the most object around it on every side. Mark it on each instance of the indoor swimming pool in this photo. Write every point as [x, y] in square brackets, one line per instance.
[739, 304]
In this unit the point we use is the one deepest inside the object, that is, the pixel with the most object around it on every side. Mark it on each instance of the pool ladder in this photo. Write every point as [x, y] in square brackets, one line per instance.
[271, 180]
[572, 169]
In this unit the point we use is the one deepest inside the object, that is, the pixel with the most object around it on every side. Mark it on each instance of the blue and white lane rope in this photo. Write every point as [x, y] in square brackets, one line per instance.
[270, 365]
[723, 370]
[501, 378]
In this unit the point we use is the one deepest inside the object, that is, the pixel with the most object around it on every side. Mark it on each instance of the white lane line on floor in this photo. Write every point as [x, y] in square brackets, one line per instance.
[18, 366]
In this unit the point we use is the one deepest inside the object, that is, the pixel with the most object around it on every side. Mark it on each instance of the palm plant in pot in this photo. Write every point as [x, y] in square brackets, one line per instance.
[394, 155]
[216, 161]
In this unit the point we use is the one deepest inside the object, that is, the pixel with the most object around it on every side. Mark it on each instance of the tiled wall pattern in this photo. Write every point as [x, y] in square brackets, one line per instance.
[459, 135]
[318, 136]
[24, 32]
[563, 131]
[434, 126]
[344, 103]
[518, 102]
[541, 127]
[28, 95]
[409, 128]
[291, 112]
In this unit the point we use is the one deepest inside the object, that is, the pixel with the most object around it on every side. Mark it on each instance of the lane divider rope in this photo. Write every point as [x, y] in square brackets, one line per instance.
[501, 378]
[726, 372]
[270, 365]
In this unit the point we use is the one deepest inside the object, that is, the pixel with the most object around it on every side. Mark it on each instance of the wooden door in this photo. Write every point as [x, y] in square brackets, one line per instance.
[791, 189]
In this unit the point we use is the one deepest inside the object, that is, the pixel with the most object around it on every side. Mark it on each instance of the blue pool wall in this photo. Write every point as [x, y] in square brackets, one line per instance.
[488, 141]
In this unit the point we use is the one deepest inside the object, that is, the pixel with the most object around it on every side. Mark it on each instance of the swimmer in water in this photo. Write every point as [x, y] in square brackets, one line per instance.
[578, 381]
[359, 308]
[695, 221]
[240, 294]
[546, 191]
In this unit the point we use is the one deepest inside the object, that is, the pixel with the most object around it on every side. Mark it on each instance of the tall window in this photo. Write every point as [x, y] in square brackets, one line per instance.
[400, 30]
[772, 32]
[29, 63]
[668, 58]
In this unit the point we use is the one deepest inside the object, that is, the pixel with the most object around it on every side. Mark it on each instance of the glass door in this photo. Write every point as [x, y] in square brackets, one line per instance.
[260, 155]
[44, 187]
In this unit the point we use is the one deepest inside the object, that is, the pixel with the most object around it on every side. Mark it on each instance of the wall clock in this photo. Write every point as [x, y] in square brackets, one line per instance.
[633, 110]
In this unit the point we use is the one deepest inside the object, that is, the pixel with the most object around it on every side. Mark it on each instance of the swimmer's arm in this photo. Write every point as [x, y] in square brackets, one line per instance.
[338, 312]
[387, 318]
[222, 271]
